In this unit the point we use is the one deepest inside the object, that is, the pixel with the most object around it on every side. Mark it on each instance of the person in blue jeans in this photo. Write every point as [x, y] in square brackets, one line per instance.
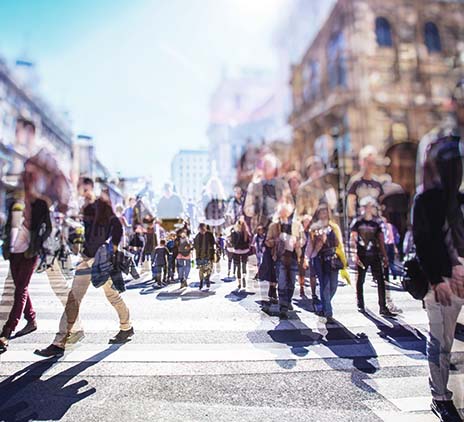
[285, 236]
[325, 252]
[184, 256]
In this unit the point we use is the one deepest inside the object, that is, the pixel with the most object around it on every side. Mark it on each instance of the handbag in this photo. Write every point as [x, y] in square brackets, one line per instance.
[336, 263]
[414, 279]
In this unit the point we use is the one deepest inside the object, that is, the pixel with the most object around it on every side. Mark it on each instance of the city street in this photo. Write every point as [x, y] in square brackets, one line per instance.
[216, 356]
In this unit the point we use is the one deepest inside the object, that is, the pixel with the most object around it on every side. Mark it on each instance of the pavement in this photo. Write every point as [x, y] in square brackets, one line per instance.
[221, 355]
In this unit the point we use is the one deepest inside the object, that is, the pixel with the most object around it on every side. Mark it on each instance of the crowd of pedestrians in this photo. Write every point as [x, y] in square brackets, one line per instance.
[293, 231]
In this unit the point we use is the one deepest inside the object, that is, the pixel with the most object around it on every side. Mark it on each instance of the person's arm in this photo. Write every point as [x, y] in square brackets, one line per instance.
[249, 205]
[351, 205]
[383, 250]
[270, 238]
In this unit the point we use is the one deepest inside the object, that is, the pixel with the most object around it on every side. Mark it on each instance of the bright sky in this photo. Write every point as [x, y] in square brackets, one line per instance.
[138, 74]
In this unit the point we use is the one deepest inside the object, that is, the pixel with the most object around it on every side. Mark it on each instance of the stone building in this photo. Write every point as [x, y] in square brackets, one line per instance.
[378, 72]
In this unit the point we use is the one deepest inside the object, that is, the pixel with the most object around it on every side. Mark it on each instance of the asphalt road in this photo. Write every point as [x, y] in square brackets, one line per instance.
[218, 356]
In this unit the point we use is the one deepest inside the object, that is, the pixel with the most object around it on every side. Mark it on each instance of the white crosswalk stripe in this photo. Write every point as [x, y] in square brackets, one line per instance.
[303, 339]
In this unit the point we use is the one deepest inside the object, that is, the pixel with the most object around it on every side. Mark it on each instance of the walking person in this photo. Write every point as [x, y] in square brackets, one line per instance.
[160, 263]
[184, 249]
[241, 241]
[285, 237]
[369, 252]
[28, 226]
[137, 244]
[327, 257]
[438, 229]
[100, 225]
[204, 245]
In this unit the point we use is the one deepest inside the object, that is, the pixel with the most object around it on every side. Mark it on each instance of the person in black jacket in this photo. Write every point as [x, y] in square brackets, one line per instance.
[100, 224]
[204, 245]
[27, 227]
[438, 227]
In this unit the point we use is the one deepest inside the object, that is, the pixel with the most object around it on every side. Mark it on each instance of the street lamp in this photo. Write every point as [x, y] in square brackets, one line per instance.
[339, 156]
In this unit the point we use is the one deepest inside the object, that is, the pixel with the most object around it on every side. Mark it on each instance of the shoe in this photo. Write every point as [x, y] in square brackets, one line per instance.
[3, 344]
[208, 284]
[122, 337]
[387, 313]
[201, 284]
[273, 301]
[75, 337]
[445, 410]
[283, 314]
[244, 282]
[315, 299]
[50, 351]
[30, 327]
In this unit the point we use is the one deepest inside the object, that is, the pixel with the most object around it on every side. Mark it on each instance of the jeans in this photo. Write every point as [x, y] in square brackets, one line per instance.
[442, 323]
[159, 272]
[375, 263]
[21, 270]
[240, 264]
[286, 278]
[183, 268]
[78, 290]
[328, 283]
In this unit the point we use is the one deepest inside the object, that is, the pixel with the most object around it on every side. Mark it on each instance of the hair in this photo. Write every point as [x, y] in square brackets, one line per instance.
[87, 181]
[322, 206]
[311, 160]
[366, 151]
[162, 242]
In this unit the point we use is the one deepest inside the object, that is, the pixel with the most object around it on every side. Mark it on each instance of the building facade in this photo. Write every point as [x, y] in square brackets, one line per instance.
[189, 172]
[377, 73]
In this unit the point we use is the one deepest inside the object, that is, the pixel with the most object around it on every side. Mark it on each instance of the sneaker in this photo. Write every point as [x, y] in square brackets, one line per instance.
[75, 337]
[50, 351]
[387, 313]
[445, 410]
[122, 337]
[30, 327]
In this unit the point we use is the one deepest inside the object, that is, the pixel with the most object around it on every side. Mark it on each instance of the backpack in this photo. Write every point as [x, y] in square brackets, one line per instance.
[184, 247]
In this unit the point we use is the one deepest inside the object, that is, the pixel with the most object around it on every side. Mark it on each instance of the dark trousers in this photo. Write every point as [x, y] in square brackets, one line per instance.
[21, 270]
[240, 264]
[375, 264]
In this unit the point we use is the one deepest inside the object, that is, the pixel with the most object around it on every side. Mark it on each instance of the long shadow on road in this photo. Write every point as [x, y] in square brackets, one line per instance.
[24, 396]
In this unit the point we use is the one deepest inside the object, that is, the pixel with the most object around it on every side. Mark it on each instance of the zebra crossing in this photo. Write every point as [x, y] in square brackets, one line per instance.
[185, 331]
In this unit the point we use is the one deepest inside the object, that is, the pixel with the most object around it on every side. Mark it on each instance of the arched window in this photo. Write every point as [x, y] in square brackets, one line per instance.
[432, 38]
[336, 60]
[383, 32]
[311, 77]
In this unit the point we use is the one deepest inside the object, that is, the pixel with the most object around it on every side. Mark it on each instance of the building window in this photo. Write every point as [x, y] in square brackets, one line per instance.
[383, 32]
[432, 38]
[336, 61]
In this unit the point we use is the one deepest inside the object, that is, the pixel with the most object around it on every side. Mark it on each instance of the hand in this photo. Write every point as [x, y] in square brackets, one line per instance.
[385, 262]
[457, 281]
[443, 293]
[305, 264]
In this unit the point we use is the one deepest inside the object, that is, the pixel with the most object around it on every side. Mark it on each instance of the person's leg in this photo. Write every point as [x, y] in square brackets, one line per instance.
[324, 285]
[187, 267]
[442, 323]
[119, 305]
[180, 270]
[281, 273]
[360, 283]
[21, 271]
[378, 275]
[292, 275]
[237, 269]
[209, 270]
[333, 282]
[79, 287]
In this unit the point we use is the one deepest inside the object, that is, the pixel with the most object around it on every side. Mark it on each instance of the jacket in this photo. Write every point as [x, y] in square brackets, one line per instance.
[429, 223]
[204, 245]
[273, 238]
[40, 229]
